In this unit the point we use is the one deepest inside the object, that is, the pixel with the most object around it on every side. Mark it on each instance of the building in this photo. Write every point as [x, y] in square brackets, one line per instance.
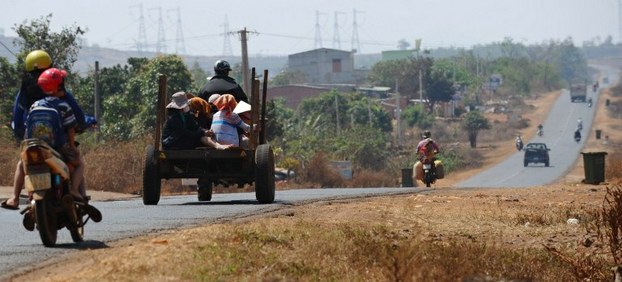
[324, 65]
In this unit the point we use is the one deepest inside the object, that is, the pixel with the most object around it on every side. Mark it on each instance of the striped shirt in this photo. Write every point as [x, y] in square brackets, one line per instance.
[225, 128]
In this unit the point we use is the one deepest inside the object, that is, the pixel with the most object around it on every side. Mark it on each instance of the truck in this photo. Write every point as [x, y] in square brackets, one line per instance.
[578, 92]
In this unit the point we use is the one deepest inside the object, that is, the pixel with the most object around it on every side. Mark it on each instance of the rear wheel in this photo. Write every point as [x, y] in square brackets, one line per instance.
[546, 163]
[46, 220]
[264, 174]
[151, 178]
[204, 190]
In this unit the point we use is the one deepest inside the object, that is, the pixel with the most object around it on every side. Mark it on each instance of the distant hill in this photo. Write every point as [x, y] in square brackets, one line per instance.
[110, 57]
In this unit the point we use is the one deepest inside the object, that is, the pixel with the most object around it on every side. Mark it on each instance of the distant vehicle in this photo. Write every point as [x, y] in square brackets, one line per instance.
[578, 92]
[536, 153]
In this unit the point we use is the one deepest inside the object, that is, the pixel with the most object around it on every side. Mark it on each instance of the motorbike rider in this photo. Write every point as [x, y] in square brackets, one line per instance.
[577, 135]
[51, 82]
[579, 124]
[35, 63]
[540, 129]
[519, 143]
[589, 102]
[222, 83]
[426, 148]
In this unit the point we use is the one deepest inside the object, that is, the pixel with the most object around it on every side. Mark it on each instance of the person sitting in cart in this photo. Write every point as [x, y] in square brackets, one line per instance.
[202, 111]
[181, 130]
[226, 122]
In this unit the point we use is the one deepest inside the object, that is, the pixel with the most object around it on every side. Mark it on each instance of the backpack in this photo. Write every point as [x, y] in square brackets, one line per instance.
[44, 122]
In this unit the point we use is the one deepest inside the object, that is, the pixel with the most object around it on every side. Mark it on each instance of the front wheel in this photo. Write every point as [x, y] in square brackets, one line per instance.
[427, 179]
[46, 220]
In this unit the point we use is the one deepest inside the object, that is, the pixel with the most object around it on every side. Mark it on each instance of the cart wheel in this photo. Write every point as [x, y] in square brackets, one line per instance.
[264, 174]
[151, 178]
[204, 190]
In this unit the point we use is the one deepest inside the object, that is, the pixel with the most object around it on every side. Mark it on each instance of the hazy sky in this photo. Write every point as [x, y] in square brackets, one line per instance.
[289, 26]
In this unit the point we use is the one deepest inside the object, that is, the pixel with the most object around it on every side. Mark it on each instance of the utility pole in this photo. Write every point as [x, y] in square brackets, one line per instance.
[245, 69]
[398, 114]
[337, 114]
[97, 93]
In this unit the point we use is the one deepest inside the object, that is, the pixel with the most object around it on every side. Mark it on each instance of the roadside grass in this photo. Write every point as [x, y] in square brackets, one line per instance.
[305, 248]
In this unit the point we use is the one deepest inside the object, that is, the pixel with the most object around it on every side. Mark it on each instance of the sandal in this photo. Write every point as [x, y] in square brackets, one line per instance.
[6, 205]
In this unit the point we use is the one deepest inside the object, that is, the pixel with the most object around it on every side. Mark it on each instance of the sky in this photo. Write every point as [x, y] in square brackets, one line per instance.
[282, 27]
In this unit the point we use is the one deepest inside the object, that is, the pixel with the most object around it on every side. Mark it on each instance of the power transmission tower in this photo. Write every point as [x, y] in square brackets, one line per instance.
[336, 38]
[141, 43]
[161, 43]
[180, 46]
[318, 31]
[356, 44]
[226, 47]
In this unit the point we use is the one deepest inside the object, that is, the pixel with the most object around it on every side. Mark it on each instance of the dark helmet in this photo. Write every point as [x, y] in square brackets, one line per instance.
[426, 134]
[222, 67]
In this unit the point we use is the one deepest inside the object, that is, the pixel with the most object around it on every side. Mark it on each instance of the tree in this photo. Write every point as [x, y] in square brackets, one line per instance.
[288, 77]
[416, 116]
[9, 83]
[473, 122]
[439, 89]
[199, 77]
[63, 47]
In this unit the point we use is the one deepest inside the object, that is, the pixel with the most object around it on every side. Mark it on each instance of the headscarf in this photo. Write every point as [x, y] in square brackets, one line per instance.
[199, 106]
[226, 103]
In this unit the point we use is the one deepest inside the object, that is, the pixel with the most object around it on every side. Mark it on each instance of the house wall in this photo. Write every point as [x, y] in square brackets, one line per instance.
[324, 65]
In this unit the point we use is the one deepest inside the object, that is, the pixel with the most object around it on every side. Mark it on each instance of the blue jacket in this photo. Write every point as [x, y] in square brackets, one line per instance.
[20, 112]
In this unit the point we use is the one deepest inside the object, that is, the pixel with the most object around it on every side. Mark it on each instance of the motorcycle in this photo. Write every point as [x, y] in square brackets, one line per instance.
[577, 136]
[540, 132]
[51, 207]
[519, 145]
[429, 171]
[589, 104]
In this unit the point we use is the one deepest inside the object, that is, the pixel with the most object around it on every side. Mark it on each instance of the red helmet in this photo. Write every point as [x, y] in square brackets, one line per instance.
[51, 79]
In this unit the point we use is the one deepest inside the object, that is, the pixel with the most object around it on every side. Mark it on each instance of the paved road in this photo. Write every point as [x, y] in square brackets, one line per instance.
[559, 130]
[21, 249]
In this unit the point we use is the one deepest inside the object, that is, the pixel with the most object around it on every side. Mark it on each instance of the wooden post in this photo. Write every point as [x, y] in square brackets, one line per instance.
[264, 101]
[160, 111]
[254, 109]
